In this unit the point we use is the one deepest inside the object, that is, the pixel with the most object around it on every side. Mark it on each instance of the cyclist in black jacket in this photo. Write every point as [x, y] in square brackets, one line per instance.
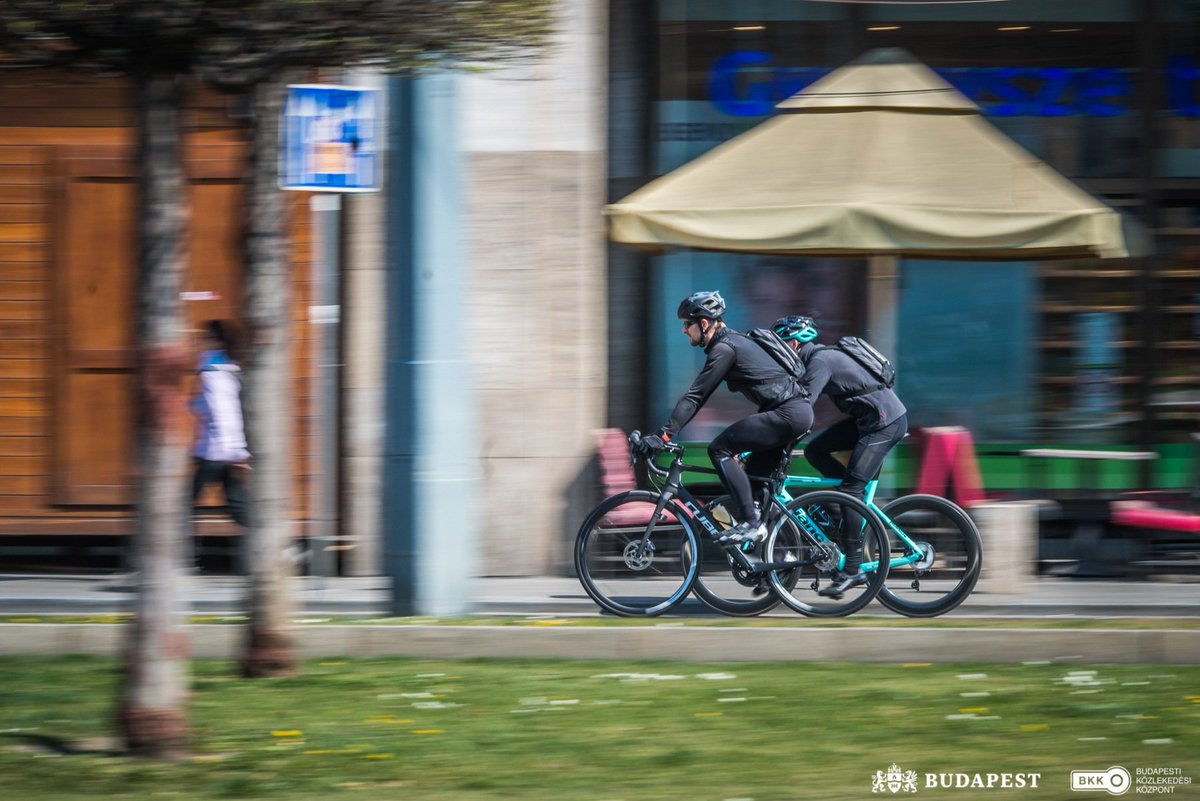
[877, 421]
[783, 416]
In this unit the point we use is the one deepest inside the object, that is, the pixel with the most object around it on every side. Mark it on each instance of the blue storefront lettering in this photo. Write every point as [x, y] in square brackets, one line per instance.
[1012, 99]
[740, 84]
[1104, 92]
[1182, 76]
[744, 84]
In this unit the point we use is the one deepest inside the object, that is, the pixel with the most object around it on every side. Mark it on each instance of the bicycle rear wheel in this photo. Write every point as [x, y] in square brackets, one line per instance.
[820, 557]
[724, 585]
[951, 557]
[628, 573]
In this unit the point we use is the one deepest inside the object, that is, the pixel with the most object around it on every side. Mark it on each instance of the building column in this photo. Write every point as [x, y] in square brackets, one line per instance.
[883, 295]
[431, 459]
[883, 281]
[534, 138]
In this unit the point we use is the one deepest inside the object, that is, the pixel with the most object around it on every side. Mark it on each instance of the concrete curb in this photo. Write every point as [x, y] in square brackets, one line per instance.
[350, 607]
[689, 644]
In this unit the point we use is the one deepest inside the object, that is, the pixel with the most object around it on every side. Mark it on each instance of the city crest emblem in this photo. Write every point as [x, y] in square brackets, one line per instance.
[895, 780]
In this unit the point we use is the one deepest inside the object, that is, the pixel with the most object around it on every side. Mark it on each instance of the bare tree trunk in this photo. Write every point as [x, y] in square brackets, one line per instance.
[270, 650]
[152, 715]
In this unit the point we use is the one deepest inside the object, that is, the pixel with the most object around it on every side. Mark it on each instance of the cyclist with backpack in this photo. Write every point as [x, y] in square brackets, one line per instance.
[859, 382]
[784, 414]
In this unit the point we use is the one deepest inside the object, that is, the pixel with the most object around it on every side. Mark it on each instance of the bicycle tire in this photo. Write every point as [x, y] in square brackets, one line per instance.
[723, 586]
[958, 556]
[621, 578]
[803, 596]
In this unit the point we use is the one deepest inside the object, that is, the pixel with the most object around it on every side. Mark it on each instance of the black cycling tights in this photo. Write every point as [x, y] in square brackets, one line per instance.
[766, 435]
[867, 452]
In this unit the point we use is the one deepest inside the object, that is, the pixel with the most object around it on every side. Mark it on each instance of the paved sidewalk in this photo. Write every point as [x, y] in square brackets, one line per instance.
[365, 597]
[534, 600]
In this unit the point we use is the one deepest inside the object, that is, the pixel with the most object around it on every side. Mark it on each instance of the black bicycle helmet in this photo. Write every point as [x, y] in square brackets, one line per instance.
[702, 304]
[797, 327]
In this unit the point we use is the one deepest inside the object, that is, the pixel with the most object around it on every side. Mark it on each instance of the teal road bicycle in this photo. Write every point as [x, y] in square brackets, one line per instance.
[935, 553]
[641, 553]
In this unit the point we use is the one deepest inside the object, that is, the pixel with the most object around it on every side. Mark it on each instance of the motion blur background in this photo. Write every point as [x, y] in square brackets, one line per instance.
[498, 180]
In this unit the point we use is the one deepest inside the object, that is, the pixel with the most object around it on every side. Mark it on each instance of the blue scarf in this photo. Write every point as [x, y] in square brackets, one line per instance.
[213, 359]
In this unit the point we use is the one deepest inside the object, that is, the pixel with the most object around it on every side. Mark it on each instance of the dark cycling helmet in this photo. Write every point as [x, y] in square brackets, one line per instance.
[796, 327]
[702, 304]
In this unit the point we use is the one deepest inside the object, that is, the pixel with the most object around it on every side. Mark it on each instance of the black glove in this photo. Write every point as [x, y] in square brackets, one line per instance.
[653, 444]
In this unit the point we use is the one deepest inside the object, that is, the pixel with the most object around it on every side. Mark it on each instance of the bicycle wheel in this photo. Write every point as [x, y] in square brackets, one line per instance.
[820, 516]
[624, 571]
[951, 557]
[724, 585]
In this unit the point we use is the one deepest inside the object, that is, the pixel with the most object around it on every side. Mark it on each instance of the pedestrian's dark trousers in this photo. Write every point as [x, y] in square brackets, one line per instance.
[228, 476]
[867, 452]
[766, 435]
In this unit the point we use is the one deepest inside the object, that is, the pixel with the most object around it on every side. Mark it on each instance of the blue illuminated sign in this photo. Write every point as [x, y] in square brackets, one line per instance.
[745, 84]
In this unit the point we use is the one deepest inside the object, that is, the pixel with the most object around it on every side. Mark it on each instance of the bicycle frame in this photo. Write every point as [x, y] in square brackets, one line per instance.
[912, 552]
[673, 488]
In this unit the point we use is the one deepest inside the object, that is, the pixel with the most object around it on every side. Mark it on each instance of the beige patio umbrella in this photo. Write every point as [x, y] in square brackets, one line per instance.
[879, 157]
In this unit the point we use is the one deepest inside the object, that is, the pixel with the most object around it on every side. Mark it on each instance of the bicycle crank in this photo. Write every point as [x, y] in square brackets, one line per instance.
[741, 564]
[824, 556]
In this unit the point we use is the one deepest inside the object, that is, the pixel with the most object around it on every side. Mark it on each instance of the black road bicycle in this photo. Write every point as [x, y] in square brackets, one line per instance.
[640, 553]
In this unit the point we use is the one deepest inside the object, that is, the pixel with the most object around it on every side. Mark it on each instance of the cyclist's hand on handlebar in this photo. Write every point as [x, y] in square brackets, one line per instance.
[647, 447]
[635, 443]
[653, 444]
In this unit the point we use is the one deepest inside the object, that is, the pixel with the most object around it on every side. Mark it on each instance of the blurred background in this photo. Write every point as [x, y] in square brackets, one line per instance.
[485, 254]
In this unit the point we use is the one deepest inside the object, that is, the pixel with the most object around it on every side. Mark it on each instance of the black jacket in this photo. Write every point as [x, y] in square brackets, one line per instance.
[741, 363]
[851, 387]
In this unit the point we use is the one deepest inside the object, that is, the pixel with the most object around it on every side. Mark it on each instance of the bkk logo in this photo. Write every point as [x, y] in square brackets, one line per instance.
[1114, 781]
[897, 780]
[1118, 781]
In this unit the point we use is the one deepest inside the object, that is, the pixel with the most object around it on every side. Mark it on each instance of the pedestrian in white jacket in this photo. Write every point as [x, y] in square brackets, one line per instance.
[221, 455]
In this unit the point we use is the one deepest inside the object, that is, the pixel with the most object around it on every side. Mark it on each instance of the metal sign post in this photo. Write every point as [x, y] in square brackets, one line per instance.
[331, 146]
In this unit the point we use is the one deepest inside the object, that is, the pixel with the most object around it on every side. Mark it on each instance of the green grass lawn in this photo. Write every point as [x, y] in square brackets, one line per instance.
[384, 729]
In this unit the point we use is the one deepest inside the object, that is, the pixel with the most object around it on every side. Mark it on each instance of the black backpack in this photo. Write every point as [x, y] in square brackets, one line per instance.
[788, 359]
[871, 360]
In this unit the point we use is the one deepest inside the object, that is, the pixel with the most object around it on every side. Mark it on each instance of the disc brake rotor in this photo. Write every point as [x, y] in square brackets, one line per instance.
[637, 557]
[928, 556]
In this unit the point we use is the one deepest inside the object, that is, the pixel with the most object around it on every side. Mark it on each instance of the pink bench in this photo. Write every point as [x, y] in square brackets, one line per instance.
[1170, 537]
[616, 471]
[616, 476]
[1143, 514]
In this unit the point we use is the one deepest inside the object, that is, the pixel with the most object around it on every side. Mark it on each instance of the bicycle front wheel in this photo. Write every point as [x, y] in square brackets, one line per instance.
[821, 518]
[722, 583]
[948, 556]
[632, 563]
